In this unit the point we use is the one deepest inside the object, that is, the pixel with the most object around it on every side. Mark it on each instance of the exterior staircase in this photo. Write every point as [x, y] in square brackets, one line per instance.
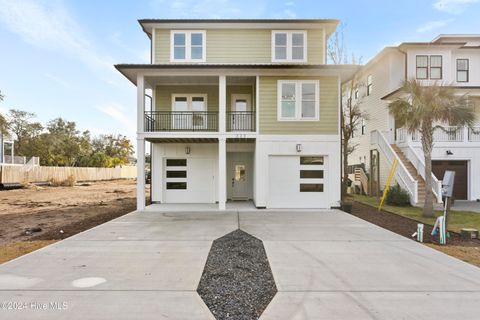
[413, 172]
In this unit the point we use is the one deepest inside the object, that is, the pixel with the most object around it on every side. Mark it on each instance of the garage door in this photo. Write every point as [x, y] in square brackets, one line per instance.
[297, 182]
[189, 180]
[460, 186]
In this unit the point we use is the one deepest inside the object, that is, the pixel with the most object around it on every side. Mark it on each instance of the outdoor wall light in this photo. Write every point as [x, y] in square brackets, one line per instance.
[449, 153]
[187, 150]
[299, 147]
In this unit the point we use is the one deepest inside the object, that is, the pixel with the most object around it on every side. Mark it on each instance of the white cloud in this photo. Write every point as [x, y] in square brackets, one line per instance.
[289, 3]
[57, 80]
[289, 13]
[432, 25]
[453, 6]
[117, 112]
[48, 25]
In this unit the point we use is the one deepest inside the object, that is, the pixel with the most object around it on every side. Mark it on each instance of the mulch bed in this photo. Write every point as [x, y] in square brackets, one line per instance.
[237, 282]
[404, 226]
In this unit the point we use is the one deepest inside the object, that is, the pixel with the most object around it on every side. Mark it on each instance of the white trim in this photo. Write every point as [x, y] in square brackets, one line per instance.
[188, 45]
[257, 104]
[298, 100]
[289, 45]
[153, 47]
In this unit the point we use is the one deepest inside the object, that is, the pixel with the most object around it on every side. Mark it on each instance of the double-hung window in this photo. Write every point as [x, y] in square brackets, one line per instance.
[436, 67]
[369, 85]
[462, 70]
[289, 46]
[422, 67]
[188, 46]
[298, 100]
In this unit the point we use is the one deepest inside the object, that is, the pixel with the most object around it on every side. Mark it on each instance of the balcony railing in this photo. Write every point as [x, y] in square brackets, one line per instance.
[444, 134]
[181, 121]
[241, 121]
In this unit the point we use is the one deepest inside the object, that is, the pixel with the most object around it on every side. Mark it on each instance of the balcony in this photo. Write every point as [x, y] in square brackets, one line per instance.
[198, 121]
[181, 121]
[447, 134]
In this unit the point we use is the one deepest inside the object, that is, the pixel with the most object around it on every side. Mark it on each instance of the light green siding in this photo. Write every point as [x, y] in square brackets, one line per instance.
[163, 95]
[329, 108]
[240, 46]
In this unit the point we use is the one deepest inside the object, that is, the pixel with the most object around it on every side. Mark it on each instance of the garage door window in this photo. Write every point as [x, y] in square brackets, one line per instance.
[311, 174]
[311, 187]
[311, 161]
[176, 174]
[176, 185]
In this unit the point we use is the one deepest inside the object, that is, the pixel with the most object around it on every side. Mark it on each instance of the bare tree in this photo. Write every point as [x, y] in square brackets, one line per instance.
[352, 96]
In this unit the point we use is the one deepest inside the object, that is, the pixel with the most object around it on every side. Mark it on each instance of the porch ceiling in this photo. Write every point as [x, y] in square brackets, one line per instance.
[195, 80]
[199, 140]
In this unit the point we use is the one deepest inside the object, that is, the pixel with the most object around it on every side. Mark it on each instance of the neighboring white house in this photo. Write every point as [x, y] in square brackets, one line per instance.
[449, 59]
[241, 110]
[6, 149]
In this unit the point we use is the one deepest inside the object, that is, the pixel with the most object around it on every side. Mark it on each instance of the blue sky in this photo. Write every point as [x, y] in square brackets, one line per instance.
[57, 56]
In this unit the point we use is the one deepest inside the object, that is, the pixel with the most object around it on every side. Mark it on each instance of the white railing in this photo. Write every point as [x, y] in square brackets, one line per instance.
[403, 177]
[444, 134]
[474, 134]
[419, 164]
[448, 134]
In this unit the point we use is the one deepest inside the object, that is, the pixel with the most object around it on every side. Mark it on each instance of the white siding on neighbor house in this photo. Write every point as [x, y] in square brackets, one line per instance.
[473, 56]
[387, 75]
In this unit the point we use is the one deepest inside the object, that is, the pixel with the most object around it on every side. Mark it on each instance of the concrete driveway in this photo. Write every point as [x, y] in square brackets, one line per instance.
[327, 265]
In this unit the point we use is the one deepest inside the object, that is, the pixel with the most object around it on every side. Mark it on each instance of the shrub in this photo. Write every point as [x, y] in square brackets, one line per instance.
[69, 182]
[396, 196]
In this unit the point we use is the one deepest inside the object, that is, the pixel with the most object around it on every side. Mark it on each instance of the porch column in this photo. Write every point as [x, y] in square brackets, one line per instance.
[140, 104]
[222, 173]
[222, 103]
[140, 143]
[140, 174]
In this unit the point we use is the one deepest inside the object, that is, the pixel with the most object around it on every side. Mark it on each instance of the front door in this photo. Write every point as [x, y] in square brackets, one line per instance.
[241, 118]
[239, 180]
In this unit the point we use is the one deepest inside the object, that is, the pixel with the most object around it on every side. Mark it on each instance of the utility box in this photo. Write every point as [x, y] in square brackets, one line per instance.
[469, 233]
[447, 183]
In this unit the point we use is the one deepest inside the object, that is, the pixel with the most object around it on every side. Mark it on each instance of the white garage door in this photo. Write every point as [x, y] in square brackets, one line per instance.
[298, 182]
[188, 180]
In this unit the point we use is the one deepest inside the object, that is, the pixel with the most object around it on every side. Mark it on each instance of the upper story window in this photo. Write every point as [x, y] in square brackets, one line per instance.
[289, 46]
[426, 70]
[436, 67]
[462, 70]
[187, 46]
[363, 127]
[422, 67]
[298, 100]
[356, 94]
[369, 85]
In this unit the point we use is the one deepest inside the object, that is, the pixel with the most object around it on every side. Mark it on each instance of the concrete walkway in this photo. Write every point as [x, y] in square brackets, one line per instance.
[327, 265]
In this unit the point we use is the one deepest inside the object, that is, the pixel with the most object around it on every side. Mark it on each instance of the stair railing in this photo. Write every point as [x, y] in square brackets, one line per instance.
[419, 164]
[402, 176]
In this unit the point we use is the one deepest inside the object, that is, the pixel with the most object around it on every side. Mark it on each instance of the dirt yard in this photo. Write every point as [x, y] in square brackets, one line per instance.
[33, 217]
[466, 250]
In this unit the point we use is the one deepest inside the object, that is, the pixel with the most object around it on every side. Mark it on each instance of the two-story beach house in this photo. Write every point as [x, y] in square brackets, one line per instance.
[240, 110]
[452, 60]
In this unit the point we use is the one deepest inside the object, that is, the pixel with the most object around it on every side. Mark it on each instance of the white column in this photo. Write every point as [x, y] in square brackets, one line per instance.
[222, 173]
[140, 143]
[140, 103]
[222, 103]
[140, 173]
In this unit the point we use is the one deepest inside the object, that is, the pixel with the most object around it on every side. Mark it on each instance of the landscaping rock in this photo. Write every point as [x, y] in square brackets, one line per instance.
[237, 282]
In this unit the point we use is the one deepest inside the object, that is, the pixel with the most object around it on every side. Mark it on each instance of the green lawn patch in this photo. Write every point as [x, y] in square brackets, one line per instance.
[457, 219]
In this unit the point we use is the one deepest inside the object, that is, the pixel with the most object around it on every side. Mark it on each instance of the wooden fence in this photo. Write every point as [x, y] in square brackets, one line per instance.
[12, 174]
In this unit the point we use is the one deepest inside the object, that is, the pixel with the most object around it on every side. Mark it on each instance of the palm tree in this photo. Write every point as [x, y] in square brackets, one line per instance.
[421, 109]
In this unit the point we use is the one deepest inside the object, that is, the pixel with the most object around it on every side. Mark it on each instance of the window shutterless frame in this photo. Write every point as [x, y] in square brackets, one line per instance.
[188, 45]
[298, 99]
[463, 70]
[369, 84]
[423, 66]
[289, 45]
[434, 66]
